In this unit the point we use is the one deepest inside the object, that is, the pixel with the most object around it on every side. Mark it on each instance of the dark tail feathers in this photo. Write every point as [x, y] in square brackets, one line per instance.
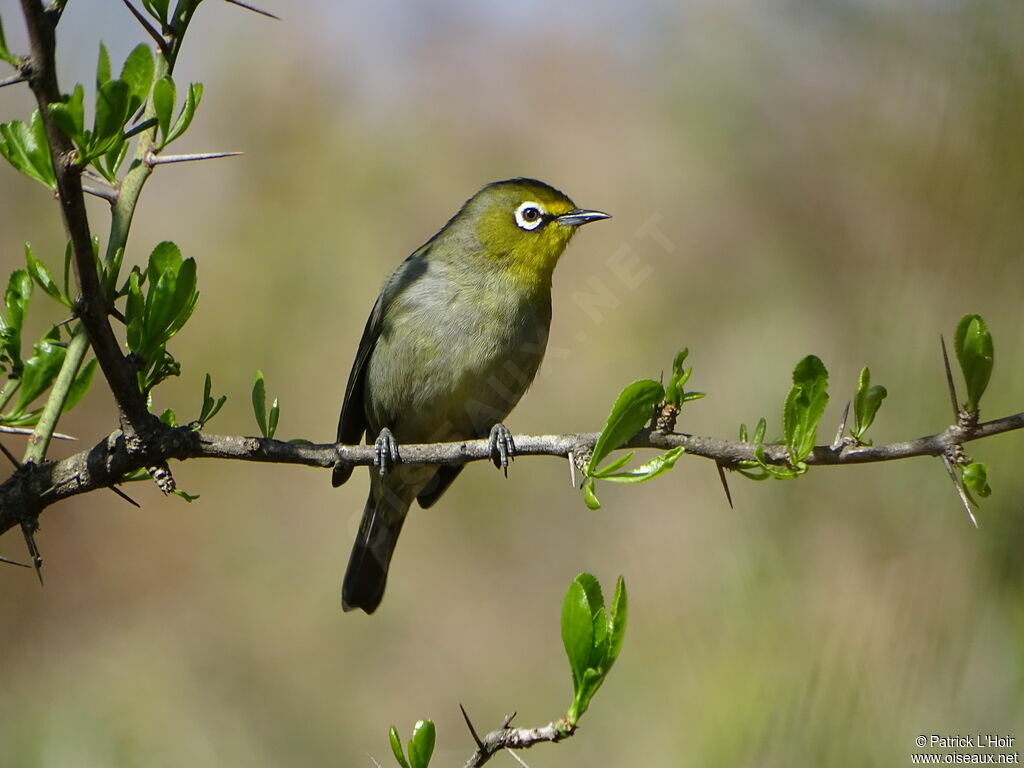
[367, 571]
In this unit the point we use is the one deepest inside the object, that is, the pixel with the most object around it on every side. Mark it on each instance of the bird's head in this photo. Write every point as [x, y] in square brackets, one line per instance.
[523, 226]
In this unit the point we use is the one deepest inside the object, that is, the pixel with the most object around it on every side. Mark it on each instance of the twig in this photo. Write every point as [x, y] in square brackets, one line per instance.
[508, 738]
[111, 459]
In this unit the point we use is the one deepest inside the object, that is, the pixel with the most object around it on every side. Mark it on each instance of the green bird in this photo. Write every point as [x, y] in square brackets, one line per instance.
[453, 342]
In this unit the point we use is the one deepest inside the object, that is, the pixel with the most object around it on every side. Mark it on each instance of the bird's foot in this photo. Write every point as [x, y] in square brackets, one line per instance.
[385, 451]
[501, 446]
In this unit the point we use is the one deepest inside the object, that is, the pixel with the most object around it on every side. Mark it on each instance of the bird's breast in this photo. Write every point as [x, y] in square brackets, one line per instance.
[454, 359]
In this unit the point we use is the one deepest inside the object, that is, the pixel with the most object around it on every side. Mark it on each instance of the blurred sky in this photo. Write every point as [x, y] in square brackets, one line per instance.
[843, 178]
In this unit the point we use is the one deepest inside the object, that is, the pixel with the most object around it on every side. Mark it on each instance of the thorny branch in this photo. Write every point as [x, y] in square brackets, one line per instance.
[36, 486]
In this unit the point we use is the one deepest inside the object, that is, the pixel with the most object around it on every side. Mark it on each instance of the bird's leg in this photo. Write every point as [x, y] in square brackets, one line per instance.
[501, 446]
[385, 451]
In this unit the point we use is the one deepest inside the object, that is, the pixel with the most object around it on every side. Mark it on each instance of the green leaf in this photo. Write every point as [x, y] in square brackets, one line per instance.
[137, 74]
[975, 478]
[578, 629]
[113, 107]
[617, 621]
[17, 297]
[183, 495]
[866, 403]
[69, 115]
[5, 54]
[158, 8]
[674, 393]
[259, 402]
[134, 312]
[40, 370]
[659, 465]
[619, 463]
[165, 257]
[80, 385]
[16, 300]
[975, 352]
[804, 407]
[210, 407]
[192, 99]
[41, 275]
[421, 745]
[275, 412]
[396, 747]
[632, 409]
[102, 67]
[168, 418]
[589, 496]
[113, 160]
[163, 103]
[25, 147]
[592, 638]
[185, 297]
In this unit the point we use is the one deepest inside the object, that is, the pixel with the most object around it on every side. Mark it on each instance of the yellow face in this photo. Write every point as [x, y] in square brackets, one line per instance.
[525, 226]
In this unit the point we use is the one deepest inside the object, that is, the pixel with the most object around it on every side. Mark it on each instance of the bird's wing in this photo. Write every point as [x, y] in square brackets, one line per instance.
[352, 422]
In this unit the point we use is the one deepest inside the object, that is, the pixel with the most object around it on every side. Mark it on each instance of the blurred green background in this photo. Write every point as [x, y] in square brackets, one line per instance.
[842, 178]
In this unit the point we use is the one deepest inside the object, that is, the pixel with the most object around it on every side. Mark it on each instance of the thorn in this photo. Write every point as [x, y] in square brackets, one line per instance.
[572, 470]
[13, 80]
[116, 313]
[109, 195]
[949, 378]
[13, 459]
[725, 483]
[160, 41]
[472, 730]
[959, 488]
[27, 431]
[517, 758]
[125, 496]
[374, 761]
[152, 159]
[260, 11]
[145, 125]
[28, 530]
[508, 719]
[14, 562]
[838, 442]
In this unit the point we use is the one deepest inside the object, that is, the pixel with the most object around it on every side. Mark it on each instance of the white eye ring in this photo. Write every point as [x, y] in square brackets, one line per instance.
[530, 215]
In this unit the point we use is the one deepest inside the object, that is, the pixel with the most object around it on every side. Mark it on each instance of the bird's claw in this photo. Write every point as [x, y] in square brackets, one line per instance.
[385, 451]
[502, 447]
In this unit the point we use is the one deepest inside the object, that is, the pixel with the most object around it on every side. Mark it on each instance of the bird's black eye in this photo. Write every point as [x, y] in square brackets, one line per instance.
[529, 216]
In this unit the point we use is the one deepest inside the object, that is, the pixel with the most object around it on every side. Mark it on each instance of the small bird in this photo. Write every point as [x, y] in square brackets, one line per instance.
[453, 342]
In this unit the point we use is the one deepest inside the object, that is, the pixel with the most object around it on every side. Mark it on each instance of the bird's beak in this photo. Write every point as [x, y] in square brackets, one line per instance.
[579, 216]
